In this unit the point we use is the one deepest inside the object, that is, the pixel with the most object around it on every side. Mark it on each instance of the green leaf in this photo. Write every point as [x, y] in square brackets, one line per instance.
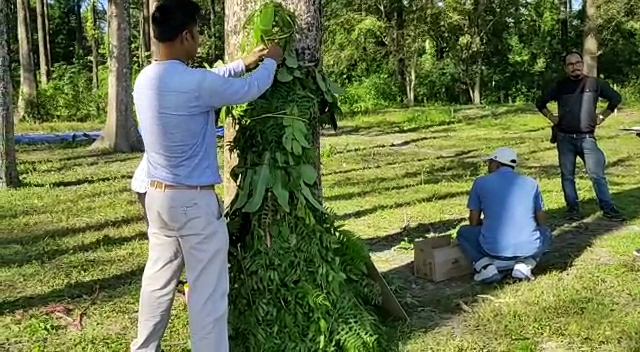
[260, 182]
[287, 141]
[307, 194]
[287, 121]
[290, 58]
[266, 18]
[283, 75]
[308, 173]
[282, 195]
[320, 81]
[300, 137]
[333, 87]
[257, 32]
[297, 148]
[218, 63]
[245, 187]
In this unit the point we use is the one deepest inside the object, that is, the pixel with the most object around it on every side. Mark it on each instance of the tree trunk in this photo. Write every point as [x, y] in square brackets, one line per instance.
[564, 25]
[590, 41]
[308, 45]
[399, 46]
[145, 33]
[8, 169]
[120, 133]
[411, 83]
[42, 42]
[217, 29]
[27, 71]
[47, 32]
[79, 29]
[154, 43]
[95, 57]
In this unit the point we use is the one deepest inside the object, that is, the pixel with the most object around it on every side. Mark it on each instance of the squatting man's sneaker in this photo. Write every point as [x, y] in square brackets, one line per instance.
[486, 271]
[522, 270]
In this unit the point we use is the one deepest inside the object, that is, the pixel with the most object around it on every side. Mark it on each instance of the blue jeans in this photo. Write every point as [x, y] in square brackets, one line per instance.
[583, 146]
[469, 242]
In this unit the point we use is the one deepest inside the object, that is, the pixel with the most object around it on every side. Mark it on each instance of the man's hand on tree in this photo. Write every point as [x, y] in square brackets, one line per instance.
[252, 60]
[553, 118]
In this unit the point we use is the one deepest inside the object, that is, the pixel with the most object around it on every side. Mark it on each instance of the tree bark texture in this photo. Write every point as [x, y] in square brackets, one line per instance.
[43, 43]
[120, 133]
[564, 25]
[79, 29]
[308, 46]
[47, 32]
[8, 168]
[590, 40]
[27, 70]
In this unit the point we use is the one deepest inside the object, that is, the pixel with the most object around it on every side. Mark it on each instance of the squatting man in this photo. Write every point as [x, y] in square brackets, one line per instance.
[506, 230]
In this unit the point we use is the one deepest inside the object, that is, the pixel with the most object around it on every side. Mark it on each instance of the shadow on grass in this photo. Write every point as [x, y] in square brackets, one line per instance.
[430, 305]
[371, 210]
[74, 290]
[420, 118]
[60, 232]
[41, 255]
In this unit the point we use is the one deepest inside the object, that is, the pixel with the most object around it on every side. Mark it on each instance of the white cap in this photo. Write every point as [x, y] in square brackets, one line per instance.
[504, 155]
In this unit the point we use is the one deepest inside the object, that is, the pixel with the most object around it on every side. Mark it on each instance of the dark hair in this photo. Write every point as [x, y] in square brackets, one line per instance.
[509, 166]
[564, 58]
[172, 17]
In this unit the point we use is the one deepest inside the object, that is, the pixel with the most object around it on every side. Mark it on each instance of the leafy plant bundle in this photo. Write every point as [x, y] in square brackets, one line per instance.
[298, 281]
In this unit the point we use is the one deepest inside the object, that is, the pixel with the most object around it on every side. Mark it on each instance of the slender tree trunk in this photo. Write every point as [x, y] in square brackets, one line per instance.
[120, 133]
[308, 46]
[27, 71]
[411, 82]
[42, 42]
[8, 169]
[95, 56]
[146, 23]
[79, 29]
[590, 41]
[47, 33]
[399, 46]
[153, 43]
[217, 28]
[564, 25]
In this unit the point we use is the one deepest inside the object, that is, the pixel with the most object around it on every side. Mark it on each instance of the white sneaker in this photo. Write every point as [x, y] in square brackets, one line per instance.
[488, 274]
[522, 271]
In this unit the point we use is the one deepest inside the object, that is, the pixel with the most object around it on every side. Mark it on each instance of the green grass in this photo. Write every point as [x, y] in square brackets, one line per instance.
[74, 235]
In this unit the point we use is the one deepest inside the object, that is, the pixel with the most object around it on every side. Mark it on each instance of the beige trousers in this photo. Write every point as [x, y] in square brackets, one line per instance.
[186, 229]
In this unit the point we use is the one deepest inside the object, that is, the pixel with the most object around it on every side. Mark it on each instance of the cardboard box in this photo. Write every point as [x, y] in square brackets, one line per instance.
[438, 259]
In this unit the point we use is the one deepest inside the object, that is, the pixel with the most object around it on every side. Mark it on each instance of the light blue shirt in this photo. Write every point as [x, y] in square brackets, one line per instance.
[174, 104]
[509, 202]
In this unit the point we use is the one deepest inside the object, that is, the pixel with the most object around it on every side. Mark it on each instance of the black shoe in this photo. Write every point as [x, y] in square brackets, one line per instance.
[572, 214]
[613, 214]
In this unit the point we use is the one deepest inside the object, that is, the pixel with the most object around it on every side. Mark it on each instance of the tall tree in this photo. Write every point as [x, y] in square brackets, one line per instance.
[145, 34]
[308, 49]
[94, 35]
[153, 43]
[590, 44]
[43, 42]
[79, 29]
[564, 24]
[27, 71]
[8, 170]
[120, 133]
[47, 31]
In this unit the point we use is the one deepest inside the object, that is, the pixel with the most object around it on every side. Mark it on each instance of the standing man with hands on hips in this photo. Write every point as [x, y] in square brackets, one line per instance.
[577, 96]
[175, 105]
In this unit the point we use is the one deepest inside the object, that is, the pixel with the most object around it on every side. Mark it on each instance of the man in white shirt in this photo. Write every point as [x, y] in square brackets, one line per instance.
[175, 107]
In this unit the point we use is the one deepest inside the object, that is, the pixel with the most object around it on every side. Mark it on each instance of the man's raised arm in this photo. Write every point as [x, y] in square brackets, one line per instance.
[216, 91]
[240, 66]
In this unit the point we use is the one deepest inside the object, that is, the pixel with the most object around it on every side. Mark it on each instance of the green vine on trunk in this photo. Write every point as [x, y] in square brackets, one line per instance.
[298, 280]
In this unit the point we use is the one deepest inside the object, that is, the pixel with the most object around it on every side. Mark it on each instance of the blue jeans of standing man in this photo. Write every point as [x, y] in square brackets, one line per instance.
[469, 241]
[584, 146]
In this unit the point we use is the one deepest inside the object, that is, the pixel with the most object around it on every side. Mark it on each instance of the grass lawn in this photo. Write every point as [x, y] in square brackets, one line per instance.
[73, 235]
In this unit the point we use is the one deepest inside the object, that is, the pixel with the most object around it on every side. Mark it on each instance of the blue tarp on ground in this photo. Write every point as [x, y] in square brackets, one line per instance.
[30, 138]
